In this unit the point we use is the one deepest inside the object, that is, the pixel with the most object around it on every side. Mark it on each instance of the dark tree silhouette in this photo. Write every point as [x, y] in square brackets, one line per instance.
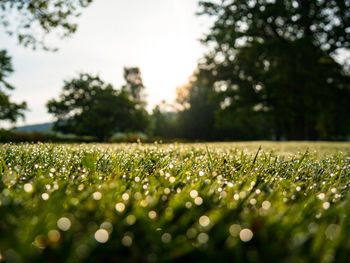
[8, 110]
[276, 59]
[197, 119]
[134, 85]
[31, 21]
[89, 107]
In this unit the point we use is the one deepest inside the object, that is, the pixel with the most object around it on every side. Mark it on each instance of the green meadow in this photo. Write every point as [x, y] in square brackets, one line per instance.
[228, 202]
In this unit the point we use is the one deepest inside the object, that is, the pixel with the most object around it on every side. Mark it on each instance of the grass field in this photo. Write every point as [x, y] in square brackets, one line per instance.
[283, 202]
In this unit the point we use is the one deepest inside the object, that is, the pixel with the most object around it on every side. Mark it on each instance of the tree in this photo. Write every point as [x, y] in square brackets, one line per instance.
[165, 122]
[31, 21]
[205, 111]
[134, 85]
[276, 58]
[8, 110]
[197, 119]
[89, 107]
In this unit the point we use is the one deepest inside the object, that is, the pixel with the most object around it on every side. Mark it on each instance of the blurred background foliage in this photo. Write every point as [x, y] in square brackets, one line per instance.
[271, 72]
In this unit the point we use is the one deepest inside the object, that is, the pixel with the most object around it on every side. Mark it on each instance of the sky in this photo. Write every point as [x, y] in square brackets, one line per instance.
[161, 37]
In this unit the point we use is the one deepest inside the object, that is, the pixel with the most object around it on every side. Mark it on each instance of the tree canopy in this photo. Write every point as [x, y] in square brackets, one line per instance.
[324, 23]
[31, 21]
[197, 119]
[134, 85]
[88, 106]
[276, 59]
[8, 110]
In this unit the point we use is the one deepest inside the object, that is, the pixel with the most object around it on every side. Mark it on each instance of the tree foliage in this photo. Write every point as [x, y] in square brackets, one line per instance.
[31, 21]
[8, 110]
[134, 85]
[89, 107]
[275, 59]
[325, 23]
[165, 122]
[197, 119]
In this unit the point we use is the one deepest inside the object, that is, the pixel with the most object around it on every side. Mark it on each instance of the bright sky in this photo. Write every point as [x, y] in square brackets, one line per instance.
[159, 36]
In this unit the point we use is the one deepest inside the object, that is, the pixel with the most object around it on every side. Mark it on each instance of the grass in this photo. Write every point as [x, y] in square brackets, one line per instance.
[287, 202]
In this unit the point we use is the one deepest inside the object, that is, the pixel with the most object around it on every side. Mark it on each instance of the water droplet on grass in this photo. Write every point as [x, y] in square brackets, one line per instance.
[64, 223]
[120, 207]
[204, 221]
[97, 196]
[166, 238]
[246, 235]
[203, 238]
[28, 187]
[194, 193]
[101, 236]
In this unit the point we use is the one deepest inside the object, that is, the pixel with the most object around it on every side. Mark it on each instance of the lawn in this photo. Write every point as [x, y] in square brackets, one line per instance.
[244, 202]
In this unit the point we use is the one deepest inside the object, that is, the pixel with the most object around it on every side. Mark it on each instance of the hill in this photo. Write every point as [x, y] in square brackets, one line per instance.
[40, 128]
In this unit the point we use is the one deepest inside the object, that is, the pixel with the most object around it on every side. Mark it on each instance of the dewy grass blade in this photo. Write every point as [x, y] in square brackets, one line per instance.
[210, 159]
[301, 159]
